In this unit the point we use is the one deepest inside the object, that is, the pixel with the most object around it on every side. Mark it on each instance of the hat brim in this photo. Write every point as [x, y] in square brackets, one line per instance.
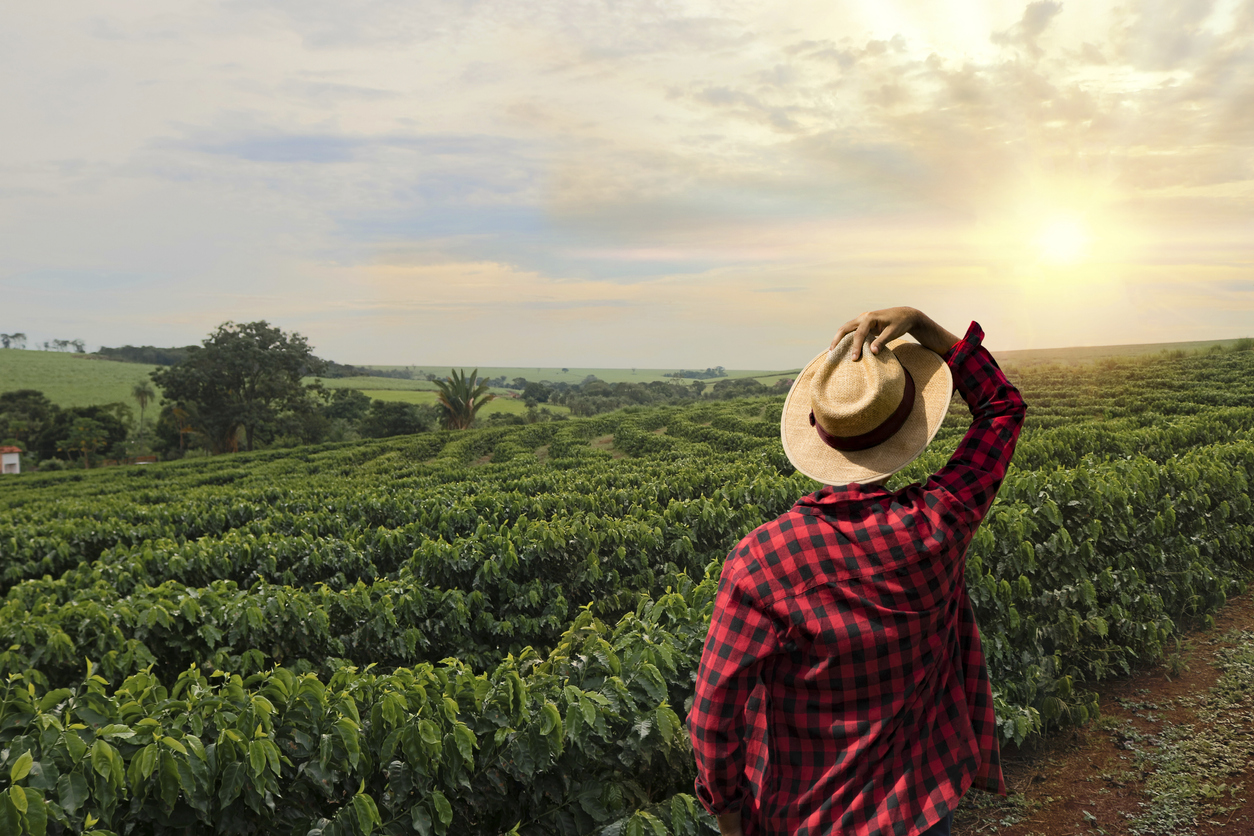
[809, 454]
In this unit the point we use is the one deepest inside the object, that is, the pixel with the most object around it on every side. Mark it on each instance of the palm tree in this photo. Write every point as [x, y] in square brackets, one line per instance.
[461, 397]
[142, 392]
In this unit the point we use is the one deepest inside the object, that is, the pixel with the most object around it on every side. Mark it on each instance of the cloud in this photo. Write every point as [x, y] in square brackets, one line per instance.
[1037, 16]
[608, 161]
[287, 149]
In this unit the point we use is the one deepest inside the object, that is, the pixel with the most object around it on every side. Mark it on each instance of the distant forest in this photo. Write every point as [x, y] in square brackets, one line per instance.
[156, 356]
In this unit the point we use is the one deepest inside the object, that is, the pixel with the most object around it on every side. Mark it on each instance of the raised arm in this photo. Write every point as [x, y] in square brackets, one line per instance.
[889, 324]
[975, 472]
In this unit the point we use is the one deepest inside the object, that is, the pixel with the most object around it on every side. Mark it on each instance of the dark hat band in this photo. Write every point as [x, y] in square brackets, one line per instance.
[885, 431]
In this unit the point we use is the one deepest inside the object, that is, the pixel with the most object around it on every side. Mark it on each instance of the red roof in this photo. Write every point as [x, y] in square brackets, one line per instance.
[10, 449]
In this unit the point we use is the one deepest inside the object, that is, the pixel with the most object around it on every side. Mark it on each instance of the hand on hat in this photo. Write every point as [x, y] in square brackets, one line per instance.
[889, 324]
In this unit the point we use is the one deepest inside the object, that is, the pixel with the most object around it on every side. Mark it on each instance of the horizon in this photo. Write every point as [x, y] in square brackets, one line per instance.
[1010, 354]
[639, 185]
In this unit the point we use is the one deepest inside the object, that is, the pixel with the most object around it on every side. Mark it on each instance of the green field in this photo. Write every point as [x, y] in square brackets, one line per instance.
[76, 380]
[376, 384]
[1024, 357]
[572, 375]
[502, 403]
[71, 379]
[496, 630]
[1091, 354]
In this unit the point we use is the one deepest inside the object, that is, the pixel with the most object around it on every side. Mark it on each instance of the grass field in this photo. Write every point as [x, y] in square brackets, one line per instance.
[498, 404]
[376, 384]
[71, 379]
[75, 380]
[572, 375]
[1091, 354]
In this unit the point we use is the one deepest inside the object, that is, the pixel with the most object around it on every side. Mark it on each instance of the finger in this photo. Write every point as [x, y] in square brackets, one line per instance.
[860, 337]
[848, 328]
[891, 332]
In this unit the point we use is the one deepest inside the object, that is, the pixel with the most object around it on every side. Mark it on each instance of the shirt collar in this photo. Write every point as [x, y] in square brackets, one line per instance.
[833, 495]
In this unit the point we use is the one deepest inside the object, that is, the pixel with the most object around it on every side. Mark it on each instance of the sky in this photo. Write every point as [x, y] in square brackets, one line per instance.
[652, 183]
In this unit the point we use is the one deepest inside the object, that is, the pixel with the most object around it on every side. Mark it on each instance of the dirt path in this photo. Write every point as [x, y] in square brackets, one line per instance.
[1172, 754]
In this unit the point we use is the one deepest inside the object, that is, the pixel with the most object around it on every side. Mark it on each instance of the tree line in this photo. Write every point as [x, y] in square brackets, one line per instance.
[18, 340]
[244, 388]
[172, 356]
[594, 396]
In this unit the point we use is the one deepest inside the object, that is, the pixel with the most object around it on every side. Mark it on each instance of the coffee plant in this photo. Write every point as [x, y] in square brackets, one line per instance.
[497, 631]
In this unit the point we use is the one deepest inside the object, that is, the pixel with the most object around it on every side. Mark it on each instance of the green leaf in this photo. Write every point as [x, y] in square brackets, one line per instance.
[272, 756]
[430, 734]
[36, 815]
[590, 801]
[115, 730]
[442, 808]
[659, 829]
[18, 796]
[102, 755]
[1022, 726]
[420, 817]
[10, 818]
[148, 760]
[175, 745]
[21, 767]
[169, 781]
[257, 758]
[51, 698]
[466, 742]
[347, 730]
[72, 792]
[43, 775]
[233, 778]
[367, 813]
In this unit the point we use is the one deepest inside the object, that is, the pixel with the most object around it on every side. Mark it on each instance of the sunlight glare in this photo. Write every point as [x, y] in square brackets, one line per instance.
[1062, 242]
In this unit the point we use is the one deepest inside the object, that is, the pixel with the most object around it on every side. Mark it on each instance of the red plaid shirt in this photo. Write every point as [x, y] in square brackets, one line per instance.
[843, 688]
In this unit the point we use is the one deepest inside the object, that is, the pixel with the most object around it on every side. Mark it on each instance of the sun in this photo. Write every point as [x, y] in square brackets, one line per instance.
[1063, 241]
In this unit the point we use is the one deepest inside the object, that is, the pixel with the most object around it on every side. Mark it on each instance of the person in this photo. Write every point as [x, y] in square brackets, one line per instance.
[842, 688]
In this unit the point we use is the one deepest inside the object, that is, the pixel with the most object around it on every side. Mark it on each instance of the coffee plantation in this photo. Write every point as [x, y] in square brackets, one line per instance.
[497, 631]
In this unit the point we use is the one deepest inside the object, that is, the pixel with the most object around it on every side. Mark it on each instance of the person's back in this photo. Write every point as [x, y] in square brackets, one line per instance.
[847, 617]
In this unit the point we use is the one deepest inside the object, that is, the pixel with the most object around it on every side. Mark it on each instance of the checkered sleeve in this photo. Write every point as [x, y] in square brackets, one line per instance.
[741, 637]
[969, 482]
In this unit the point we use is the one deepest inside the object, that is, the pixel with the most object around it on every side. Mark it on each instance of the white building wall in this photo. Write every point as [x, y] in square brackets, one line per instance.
[10, 462]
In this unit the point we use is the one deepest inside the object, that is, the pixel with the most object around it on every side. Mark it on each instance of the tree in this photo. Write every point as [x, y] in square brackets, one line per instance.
[348, 405]
[389, 418]
[143, 394]
[50, 439]
[25, 414]
[170, 434]
[461, 397]
[537, 392]
[15, 340]
[86, 436]
[240, 378]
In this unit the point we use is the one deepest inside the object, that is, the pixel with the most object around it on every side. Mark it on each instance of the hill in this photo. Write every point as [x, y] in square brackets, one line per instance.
[573, 375]
[1090, 354]
[71, 379]
[86, 380]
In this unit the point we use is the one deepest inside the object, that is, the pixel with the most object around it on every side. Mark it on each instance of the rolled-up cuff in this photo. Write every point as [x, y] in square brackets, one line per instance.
[966, 346]
[713, 806]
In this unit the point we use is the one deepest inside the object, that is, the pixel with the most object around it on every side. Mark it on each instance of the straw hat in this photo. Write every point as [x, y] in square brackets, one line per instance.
[847, 421]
